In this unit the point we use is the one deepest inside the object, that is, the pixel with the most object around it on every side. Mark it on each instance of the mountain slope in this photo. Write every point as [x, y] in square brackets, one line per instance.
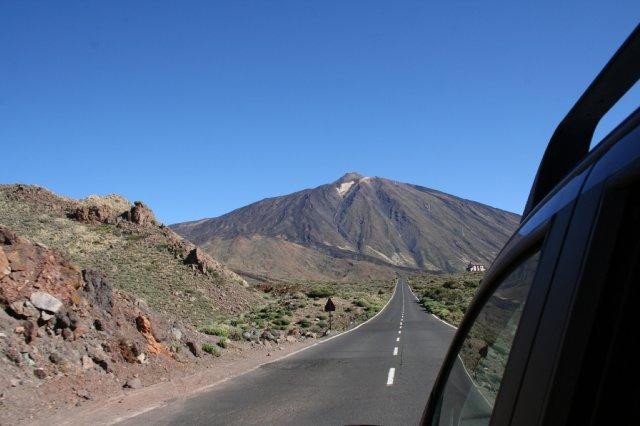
[354, 227]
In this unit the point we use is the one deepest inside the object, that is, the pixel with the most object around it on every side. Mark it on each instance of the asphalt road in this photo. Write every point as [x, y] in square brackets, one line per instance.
[379, 373]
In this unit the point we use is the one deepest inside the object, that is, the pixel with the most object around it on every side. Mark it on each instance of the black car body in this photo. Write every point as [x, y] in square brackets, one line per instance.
[551, 337]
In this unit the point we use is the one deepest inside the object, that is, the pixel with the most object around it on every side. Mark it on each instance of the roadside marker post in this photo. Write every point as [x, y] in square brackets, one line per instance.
[330, 307]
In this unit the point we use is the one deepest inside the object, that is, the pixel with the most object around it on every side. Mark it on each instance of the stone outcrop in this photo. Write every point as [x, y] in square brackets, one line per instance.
[5, 269]
[57, 321]
[41, 269]
[144, 327]
[111, 209]
[199, 259]
[98, 289]
[93, 214]
[44, 301]
[140, 214]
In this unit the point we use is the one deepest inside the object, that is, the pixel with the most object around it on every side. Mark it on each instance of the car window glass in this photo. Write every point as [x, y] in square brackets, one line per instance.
[474, 380]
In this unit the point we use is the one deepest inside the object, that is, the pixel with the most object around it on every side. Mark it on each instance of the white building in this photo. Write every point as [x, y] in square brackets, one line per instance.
[475, 267]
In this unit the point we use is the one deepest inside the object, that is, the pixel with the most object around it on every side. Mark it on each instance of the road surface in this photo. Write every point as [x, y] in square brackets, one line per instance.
[379, 373]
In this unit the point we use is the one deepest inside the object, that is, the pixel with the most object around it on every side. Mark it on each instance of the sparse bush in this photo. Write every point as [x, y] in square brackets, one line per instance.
[236, 321]
[471, 284]
[447, 296]
[210, 349]
[282, 322]
[223, 343]
[320, 292]
[215, 330]
[361, 303]
[304, 323]
[235, 334]
[450, 284]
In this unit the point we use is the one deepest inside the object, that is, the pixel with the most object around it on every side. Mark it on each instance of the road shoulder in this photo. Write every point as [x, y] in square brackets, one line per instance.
[134, 402]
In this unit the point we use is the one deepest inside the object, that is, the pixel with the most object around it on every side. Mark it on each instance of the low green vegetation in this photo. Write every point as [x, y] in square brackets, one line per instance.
[210, 348]
[223, 330]
[322, 291]
[299, 306]
[215, 330]
[361, 303]
[304, 323]
[447, 296]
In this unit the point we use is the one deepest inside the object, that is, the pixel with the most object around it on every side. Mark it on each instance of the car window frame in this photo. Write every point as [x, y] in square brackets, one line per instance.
[550, 222]
[556, 354]
[549, 348]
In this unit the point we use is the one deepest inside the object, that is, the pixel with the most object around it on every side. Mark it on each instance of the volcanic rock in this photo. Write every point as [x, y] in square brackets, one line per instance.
[45, 301]
[140, 214]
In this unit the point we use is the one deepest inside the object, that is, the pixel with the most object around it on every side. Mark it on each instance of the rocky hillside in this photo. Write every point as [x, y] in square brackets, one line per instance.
[356, 227]
[68, 336]
[126, 243]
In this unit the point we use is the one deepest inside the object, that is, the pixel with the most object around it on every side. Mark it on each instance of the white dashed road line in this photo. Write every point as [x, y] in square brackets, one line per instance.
[390, 376]
[392, 371]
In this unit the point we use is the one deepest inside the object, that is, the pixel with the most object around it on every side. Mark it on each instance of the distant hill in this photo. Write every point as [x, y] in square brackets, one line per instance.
[356, 227]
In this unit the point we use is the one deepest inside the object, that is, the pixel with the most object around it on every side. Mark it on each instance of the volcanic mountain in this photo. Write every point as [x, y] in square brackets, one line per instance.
[356, 227]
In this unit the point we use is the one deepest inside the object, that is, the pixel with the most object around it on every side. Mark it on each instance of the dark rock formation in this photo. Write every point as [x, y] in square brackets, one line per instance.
[93, 214]
[98, 289]
[140, 214]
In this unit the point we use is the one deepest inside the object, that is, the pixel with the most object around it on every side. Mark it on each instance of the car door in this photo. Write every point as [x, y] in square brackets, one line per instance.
[481, 376]
[586, 333]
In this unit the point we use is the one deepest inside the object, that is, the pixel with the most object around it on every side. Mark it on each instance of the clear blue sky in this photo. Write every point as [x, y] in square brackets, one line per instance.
[200, 107]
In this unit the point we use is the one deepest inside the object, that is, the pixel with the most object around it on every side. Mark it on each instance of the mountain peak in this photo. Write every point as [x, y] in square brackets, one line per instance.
[355, 228]
[350, 177]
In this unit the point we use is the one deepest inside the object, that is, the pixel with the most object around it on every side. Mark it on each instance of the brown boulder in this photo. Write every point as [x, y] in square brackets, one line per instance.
[21, 257]
[133, 383]
[14, 355]
[5, 269]
[199, 259]
[130, 350]
[7, 237]
[40, 373]
[144, 327]
[35, 267]
[93, 214]
[24, 309]
[30, 331]
[140, 214]
[194, 348]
